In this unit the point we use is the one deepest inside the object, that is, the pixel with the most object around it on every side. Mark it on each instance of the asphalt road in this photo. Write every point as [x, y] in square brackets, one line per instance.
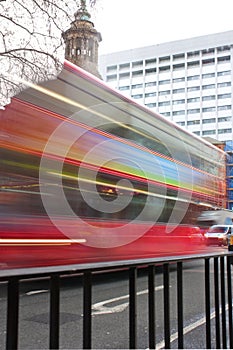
[110, 311]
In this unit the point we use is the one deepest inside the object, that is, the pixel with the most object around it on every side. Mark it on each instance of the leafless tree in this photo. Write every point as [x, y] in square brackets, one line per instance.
[31, 44]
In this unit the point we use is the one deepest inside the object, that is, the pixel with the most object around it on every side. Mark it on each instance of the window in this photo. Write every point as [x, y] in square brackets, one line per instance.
[165, 103]
[221, 96]
[207, 62]
[193, 54]
[208, 132]
[124, 75]
[111, 68]
[193, 64]
[164, 69]
[208, 98]
[223, 48]
[137, 73]
[208, 109]
[178, 66]
[178, 112]
[208, 121]
[207, 51]
[136, 64]
[194, 110]
[163, 82]
[193, 77]
[178, 80]
[124, 66]
[224, 119]
[151, 105]
[178, 91]
[137, 86]
[150, 71]
[111, 77]
[225, 84]
[224, 108]
[166, 114]
[137, 96]
[177, 102]
[224, 59]
[150, 94]
[224, 131]
[193, 88]
[181, 123]
[194, 99]
[151, 83]
[210, 86]
[226, 72]
[196, 133]
[178, 56]
[123, 88]
[164, 93]
[151, 61]
[164, 59]
[193, 122]
[208, 75]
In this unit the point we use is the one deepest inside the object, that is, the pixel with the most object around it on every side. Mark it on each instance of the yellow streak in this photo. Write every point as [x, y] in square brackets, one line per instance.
[96, 182]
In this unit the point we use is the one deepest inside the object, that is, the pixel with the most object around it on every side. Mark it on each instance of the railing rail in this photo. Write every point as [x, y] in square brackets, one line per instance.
[222, 263]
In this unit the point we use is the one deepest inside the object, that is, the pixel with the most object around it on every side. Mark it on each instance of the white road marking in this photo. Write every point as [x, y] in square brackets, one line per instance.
[100, 308]
[187, 329]
[33, 292]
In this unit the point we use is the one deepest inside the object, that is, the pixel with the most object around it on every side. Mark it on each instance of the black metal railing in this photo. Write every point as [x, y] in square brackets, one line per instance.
[222, 265]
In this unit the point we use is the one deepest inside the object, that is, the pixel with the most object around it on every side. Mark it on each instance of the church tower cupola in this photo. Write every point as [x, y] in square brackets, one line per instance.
[82, 41]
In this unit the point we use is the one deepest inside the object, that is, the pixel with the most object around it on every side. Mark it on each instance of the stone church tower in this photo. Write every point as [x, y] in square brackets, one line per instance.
[82, 41]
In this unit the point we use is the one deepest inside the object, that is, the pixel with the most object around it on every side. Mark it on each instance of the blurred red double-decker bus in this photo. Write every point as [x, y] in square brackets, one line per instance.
[90, 175]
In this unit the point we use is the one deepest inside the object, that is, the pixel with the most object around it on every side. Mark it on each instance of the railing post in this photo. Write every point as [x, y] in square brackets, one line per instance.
[54, 311]
[216, 297]
[207, 303]
[151, 305]
[180, 305]
[223, 302]
[229, 289]
[166, 295]
[12, 314]
[133, 308]
[87, 300]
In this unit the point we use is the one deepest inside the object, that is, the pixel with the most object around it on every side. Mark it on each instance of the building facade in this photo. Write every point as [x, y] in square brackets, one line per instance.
[187, 81]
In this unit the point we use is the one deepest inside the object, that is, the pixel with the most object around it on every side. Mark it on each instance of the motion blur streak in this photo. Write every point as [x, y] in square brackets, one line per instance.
[39, 241]
[89, 175]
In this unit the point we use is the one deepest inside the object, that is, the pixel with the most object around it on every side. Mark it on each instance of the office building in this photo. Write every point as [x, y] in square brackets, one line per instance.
[187, 81]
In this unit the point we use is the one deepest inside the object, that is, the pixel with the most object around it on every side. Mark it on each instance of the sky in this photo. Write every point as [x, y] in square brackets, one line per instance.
[127, 24]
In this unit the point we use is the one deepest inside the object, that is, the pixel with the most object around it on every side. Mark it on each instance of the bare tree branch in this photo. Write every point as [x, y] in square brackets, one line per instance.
[31, 43]
[16, 24]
